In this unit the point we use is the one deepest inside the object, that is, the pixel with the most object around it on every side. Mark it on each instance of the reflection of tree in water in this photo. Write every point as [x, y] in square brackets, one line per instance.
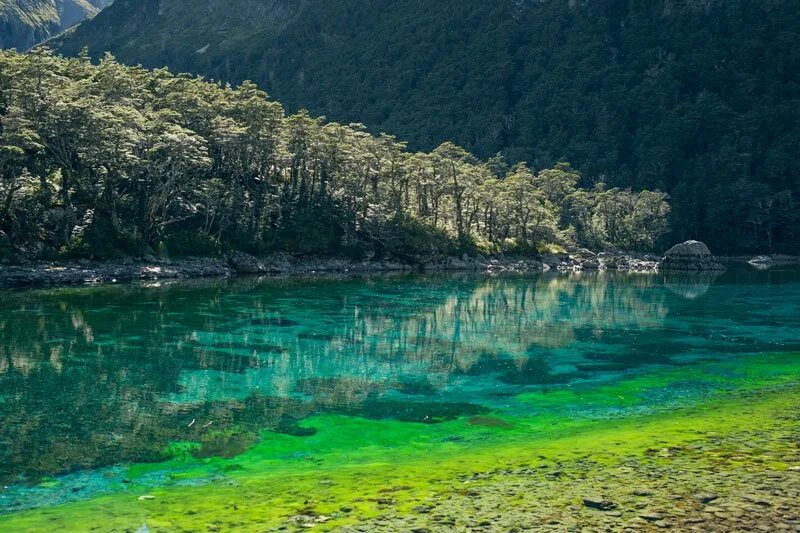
[497, 324]
[84, 374]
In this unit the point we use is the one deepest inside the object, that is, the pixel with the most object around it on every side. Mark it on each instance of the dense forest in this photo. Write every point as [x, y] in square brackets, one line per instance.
[698, 98]
[99, 160]
[26, 23]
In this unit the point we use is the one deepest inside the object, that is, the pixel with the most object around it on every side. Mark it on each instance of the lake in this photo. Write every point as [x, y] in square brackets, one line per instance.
[401, 402]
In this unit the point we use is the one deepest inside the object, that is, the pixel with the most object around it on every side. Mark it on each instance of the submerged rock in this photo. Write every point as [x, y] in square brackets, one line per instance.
[651, 516]
[599, 503]
[690, 256]
[704, 497]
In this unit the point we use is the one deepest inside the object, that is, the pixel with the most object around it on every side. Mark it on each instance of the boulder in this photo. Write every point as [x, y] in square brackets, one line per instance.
[582, 253]
[690, 256]
[581, 259]
[555, 260]
[607, 261]
[281, 263]
[458, 264]
[244, 263]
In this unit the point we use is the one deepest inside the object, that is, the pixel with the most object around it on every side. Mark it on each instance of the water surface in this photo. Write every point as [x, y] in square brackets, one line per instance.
[102, 388]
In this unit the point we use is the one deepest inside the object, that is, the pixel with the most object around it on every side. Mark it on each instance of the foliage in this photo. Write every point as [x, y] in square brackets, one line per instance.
[700, 99]
[101, 160]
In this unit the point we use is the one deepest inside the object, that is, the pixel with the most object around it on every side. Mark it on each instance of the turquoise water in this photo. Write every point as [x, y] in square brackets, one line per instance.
[94, 380]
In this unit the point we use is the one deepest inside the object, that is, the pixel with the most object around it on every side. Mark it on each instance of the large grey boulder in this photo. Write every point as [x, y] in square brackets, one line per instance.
[690, 256]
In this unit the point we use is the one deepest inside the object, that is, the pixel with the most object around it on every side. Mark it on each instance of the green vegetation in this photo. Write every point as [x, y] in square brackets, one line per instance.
[25, 23]
[700, 99]
[99, 160]
[357, 470]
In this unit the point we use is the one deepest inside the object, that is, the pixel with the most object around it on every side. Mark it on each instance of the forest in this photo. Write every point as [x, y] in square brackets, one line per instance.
[696, 98]
[101, 160]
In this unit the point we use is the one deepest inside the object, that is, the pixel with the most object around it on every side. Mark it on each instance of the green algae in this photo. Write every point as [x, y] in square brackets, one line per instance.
[254, 498]
[365, 465]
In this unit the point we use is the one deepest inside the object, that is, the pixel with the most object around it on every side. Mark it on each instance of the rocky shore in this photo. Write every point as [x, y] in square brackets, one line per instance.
[690, 256]
[61, 273]
[48, 274]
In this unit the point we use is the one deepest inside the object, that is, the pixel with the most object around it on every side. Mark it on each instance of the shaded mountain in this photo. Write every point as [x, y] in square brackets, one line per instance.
[26, 23]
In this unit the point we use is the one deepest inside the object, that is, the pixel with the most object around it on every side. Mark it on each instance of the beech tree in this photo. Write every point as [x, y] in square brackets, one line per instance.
[100, 160]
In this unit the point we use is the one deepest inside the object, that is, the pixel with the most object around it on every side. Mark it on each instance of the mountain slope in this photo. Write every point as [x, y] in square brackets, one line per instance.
[699, 97]
[25, 23]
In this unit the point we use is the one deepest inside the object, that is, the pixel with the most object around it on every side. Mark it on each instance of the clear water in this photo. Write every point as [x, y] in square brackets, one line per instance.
[94, 381]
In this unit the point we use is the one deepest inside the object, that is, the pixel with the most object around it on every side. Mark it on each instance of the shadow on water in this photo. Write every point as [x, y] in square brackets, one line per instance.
[100, 376]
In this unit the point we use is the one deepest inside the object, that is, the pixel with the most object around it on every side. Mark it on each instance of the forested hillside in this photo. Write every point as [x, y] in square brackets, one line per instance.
[103, 160]
[700, 98]
[25, 23]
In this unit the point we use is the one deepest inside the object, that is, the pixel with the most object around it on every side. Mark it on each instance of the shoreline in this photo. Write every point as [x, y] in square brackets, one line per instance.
[75, 273]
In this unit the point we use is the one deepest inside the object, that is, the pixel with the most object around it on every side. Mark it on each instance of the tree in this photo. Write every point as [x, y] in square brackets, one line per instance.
[97, 160]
